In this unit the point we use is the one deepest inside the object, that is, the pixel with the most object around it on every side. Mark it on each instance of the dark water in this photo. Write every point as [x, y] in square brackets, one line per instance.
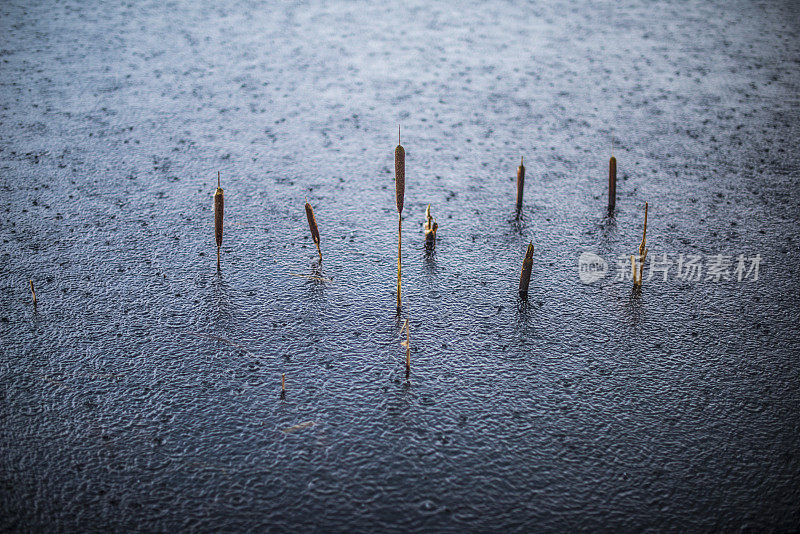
[143, 389]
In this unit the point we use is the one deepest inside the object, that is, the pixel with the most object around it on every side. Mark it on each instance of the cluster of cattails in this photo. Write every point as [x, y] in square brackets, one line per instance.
[430, 228]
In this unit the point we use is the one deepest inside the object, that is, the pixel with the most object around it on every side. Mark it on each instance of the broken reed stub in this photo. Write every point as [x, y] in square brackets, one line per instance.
[520, 182]
[312, 224]
[219, 209]
[637, 280]
[525, 276]
[612, 183]
[430, 230]
[33, 291]
[400, 191]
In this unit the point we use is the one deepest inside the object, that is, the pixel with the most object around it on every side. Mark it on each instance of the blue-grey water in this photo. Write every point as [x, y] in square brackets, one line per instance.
[142, 392]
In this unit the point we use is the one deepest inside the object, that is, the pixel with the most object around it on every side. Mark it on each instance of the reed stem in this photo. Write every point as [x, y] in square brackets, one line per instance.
[219, 210]
[399, 254]
[33, 291]
[520, 183]
[612, 183]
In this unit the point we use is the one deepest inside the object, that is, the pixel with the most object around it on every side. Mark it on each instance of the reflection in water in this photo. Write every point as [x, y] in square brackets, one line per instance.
[634, 305]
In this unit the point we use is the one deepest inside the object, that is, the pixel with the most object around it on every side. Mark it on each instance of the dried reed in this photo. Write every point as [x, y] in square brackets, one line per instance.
[612, 183]
[219, 208]
[637, 281]
[312, 224]
[407, 344]
[400, 190]
[430, 229]
[520, 183]
[525, 276]
[33, 291]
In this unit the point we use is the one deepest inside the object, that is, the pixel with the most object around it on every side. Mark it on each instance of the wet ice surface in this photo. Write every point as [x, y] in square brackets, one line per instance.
[143, 390]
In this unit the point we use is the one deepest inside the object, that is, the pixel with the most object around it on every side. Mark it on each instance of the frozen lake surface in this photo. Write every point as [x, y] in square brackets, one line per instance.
[142, 392]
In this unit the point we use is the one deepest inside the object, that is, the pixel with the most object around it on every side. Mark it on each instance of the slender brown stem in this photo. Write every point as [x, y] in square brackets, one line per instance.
[399, 253]
[33, 291]
[520, 183]
[612, 183]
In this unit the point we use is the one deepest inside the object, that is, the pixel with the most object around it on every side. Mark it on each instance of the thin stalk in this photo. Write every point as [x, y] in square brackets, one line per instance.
[399, 253]
[219, 210]
[612, 183]
[520, 183]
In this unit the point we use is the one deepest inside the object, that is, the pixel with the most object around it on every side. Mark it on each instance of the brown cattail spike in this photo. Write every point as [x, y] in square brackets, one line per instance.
[399, 176]
[612, 183]
[525, 276]
[312, 224]
[400, 190]
[520, 183]
[33, 291]
[283, 383]
[430, 229]
[219, 208]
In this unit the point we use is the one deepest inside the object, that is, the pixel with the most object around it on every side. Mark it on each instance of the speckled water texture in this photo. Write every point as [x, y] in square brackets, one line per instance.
[143, 391]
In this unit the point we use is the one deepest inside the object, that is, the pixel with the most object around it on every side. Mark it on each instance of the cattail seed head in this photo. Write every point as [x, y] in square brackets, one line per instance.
[219, 209]
[520, 183]
[525, 276]
[612, 183]
[312, 224]
[399, 176]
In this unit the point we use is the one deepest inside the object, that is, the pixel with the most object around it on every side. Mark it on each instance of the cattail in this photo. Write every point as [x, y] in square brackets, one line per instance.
[430, 229]
[33, 291]
[283, 382]
[525, 276]
[520, 183]
[400, 190]
[219, 208]
[612, 183]
[312, 224]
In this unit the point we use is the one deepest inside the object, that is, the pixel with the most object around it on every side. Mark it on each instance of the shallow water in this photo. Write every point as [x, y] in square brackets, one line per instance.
[143, 389]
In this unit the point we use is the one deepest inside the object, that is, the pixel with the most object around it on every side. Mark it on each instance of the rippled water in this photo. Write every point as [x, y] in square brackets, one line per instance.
[143, 391]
